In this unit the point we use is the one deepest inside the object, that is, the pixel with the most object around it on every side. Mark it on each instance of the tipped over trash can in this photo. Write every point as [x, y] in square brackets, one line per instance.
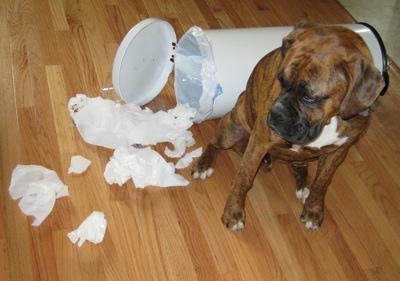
[211, 66]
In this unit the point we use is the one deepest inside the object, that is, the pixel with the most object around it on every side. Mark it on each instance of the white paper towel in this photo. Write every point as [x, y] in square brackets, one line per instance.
[106, 123]
[93, 229]
[144, 165]
[39, 188]
[188, 158]
[79, 164]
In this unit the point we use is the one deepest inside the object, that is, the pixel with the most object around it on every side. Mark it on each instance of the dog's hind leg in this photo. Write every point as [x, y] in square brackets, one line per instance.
[229, 134]
[301, 176]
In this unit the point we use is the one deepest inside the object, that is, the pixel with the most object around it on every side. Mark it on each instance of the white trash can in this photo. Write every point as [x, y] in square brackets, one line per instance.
[211, 66]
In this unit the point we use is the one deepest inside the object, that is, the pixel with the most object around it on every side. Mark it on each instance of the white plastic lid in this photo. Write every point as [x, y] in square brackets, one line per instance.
[144, 61]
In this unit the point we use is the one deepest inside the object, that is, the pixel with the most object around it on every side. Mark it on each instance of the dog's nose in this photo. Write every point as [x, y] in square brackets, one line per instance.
[288, 124]
[278, 113]
[300, 128]
[277, 116]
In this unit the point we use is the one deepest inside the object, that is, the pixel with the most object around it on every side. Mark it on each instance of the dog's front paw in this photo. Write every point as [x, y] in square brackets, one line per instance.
[204, 166]
[312, 218]
[234, 220]
[200, 171]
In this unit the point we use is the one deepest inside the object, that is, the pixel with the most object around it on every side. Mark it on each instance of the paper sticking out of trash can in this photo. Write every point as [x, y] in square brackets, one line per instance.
[211, 66]
[196, 83]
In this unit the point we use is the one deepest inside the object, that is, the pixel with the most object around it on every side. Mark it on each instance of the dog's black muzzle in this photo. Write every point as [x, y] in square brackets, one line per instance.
[289, 123]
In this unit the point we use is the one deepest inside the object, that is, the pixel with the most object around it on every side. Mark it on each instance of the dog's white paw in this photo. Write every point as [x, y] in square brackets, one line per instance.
[238, 226]
[312, 217]
[203, 175]
[302, 194]
[312, 226]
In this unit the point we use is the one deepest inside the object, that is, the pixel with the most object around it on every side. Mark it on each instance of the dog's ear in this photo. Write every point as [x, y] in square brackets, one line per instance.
[287, 42]
[299, 28]
[366, 83]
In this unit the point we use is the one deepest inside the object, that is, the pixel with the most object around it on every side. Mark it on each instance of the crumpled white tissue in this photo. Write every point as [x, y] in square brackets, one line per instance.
[144, 165]
[106, 123]
[93, 229]
[188, 158]
[79, 164]
[39, 188]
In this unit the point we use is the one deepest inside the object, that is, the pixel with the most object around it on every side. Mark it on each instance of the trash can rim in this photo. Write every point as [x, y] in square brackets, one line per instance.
[124, 73]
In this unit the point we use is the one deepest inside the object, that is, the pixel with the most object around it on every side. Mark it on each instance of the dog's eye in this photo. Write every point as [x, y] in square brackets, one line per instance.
[305, 96]
[309, 100]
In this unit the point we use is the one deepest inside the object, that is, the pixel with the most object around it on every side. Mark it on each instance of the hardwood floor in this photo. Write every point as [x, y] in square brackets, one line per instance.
[52, 49]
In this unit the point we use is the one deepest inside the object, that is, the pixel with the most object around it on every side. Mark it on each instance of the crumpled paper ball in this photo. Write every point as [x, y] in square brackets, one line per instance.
[39, 188]
[92, 229]
[144, 165]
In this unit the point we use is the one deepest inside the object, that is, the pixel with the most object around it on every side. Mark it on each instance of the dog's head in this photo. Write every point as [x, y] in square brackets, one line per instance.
[326, 71]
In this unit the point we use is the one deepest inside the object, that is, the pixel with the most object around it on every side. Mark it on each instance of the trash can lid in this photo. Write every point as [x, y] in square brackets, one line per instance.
[144, 61]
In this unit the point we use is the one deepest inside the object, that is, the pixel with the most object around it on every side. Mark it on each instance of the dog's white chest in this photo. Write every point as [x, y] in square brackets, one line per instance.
[328, 136]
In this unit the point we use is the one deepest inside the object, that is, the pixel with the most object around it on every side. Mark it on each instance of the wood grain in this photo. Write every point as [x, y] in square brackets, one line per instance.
[51, 50]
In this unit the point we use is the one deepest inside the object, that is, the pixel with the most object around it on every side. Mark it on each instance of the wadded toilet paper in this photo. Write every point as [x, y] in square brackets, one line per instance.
[106, 123]
[144, 165]
[93, 229]
[129, 130]
[79, 164]
[38, 189]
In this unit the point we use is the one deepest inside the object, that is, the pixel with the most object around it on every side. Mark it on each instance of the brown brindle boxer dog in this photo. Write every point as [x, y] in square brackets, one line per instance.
[308, 100]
